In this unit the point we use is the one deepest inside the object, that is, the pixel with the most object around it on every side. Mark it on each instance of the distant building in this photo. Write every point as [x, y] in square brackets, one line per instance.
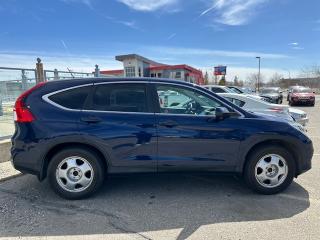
[137, 66]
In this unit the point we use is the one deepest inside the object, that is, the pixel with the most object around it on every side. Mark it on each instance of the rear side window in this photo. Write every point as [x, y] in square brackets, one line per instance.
[73, 98]
[217, 90]
[119, 98]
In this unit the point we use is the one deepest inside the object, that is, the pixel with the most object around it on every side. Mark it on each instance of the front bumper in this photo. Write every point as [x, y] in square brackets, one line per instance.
[303, 100]
[305, 161]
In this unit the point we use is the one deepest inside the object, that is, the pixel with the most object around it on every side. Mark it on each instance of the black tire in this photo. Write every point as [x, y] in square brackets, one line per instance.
[253, 159]
[95, 163]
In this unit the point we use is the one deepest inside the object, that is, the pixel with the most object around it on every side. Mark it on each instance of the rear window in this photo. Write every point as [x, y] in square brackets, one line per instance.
[119, 98]
[73, 98]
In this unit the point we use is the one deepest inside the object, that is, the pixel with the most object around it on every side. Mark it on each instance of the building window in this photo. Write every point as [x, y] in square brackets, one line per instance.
[139, 71]
[130, 71]
[178, 75]
[159, 75]
[153, 75]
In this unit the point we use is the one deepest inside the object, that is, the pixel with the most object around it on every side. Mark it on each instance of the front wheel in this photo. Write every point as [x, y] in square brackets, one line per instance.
[75, 173]
[269, 170]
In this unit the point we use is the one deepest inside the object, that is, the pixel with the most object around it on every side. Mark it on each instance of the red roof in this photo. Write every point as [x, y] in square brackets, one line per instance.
[112, 72]
[172, 67]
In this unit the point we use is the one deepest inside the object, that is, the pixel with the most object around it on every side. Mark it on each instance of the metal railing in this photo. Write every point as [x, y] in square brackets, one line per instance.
[14, 81]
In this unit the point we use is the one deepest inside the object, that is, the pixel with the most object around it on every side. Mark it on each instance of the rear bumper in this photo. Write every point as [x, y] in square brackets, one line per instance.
[26, 158]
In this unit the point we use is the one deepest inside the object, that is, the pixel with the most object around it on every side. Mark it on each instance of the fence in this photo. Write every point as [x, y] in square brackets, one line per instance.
[14, 81]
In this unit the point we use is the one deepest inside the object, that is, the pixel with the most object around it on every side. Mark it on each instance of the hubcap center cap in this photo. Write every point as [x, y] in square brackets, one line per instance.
[74, 173]
[271, 170]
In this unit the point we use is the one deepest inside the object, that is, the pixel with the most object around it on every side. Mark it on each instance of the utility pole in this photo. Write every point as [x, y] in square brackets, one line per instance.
[259, 59]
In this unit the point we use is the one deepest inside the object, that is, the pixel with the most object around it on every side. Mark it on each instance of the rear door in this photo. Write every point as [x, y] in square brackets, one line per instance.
[117, 116]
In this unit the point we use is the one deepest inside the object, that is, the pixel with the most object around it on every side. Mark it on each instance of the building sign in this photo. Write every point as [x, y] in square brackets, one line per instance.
[220, 70]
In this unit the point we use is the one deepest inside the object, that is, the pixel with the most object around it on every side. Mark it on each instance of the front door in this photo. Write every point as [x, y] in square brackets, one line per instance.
[189, 135]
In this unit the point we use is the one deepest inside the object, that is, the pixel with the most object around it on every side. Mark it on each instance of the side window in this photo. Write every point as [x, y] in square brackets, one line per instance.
[120, 98]
[217, 90]
[180, 100]
[73, 98]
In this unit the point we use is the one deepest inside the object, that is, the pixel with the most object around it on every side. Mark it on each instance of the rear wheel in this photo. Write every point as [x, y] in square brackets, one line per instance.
[269, 170]
[75, 173]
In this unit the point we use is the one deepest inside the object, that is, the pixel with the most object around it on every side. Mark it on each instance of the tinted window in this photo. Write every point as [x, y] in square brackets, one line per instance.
[179, 100]
[217, 90]
[120, 98]
[73, 98]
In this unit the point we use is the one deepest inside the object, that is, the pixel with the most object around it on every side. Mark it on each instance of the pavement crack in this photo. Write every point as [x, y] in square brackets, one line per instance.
[113, 220]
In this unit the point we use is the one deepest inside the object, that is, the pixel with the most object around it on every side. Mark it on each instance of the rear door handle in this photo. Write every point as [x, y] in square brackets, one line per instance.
[91, 119]
[169, 124]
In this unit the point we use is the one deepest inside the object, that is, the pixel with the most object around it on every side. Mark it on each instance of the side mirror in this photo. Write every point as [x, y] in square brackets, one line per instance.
[223, 113]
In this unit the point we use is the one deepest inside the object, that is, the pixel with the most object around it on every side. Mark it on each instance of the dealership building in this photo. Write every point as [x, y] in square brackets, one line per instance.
[137, 66]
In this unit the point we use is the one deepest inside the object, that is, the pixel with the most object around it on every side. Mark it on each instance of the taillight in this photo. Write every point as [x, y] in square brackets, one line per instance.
[21, 112]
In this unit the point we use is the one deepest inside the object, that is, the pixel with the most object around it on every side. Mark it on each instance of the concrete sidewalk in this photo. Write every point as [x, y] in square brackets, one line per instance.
[7, 171]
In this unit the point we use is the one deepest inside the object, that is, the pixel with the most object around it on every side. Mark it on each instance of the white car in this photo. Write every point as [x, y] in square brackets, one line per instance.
[254, 104]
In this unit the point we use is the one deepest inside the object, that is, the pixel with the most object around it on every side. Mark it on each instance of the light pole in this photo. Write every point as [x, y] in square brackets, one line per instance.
[259, 58]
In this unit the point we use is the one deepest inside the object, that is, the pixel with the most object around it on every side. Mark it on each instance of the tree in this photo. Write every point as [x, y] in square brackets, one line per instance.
[252, 80]
[222, 81]
[313, 71]
[235, 81]
[206, 78]
[275, 79]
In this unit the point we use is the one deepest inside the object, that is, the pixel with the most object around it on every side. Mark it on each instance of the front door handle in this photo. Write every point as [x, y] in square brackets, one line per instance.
[91, 119]
[168, 124]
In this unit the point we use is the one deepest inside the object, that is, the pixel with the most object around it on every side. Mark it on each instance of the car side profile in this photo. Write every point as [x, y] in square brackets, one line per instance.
[253, 104]
[75, 132]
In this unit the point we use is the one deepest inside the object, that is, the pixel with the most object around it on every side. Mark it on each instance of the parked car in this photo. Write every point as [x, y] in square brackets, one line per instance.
[274, 94]
[75, 132]
[302, 95]
[299, 116]
[255, 105]
[218, 88]
[249, 92]
[290, 89]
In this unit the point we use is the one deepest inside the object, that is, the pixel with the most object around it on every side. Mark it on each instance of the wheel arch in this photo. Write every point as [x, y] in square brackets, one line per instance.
[274, 142]
[58, 147]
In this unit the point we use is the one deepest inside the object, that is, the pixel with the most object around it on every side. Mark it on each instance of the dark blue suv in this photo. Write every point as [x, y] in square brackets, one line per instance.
[74, 132]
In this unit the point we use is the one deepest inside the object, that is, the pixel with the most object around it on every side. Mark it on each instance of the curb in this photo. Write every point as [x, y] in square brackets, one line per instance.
[5, 146]
[10, 177]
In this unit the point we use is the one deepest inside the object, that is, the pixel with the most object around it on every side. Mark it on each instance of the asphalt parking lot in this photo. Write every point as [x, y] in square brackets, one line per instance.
[167, 207]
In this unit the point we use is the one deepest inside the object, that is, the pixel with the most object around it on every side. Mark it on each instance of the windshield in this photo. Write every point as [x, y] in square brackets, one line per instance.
[302, 90]
[235, 90]
[269, 90]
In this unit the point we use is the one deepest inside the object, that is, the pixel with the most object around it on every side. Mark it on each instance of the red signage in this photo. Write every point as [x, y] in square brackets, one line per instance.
[220, 70]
